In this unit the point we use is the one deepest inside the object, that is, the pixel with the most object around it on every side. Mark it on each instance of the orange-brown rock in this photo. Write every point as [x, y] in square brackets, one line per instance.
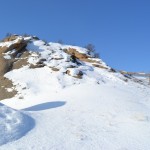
[78, 55]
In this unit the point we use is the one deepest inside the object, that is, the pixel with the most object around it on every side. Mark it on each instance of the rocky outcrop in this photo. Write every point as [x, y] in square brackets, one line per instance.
[7, 64]
[85, 58]
[72, 51]
[18, 47]
[6, 88]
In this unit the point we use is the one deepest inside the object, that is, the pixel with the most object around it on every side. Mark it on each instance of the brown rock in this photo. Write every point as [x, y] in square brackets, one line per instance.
[54, 69]
[6, 64]
[74, 52]
[5, 83]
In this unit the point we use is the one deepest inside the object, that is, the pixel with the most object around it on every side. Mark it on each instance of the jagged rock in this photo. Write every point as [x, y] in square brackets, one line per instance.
[18, 46]
[6, 88]
[74, 52]
[85, 58]
[7, 64]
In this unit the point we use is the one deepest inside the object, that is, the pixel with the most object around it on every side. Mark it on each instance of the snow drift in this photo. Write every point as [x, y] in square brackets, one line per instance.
[13, 124]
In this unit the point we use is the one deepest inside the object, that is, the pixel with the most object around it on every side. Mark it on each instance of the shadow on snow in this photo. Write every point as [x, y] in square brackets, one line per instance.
[44, 106]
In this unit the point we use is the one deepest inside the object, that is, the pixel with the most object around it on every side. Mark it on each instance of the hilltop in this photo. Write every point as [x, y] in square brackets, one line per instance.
[29, 52]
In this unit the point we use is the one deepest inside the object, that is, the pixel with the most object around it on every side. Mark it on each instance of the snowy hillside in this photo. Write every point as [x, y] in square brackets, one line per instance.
[59, 97]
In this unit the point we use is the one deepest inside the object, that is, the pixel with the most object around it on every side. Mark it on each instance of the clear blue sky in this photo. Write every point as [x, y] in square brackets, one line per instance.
[119, 29]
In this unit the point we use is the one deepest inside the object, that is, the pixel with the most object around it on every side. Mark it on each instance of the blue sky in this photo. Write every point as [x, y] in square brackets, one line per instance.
[119, 29]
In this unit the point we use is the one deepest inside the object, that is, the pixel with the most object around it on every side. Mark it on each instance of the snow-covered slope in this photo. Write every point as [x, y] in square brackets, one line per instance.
[65, 104]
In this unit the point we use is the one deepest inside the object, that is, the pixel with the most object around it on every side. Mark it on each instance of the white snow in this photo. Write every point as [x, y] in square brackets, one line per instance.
[89, 116]
[13, 124]
[74, 71]
[101, 111]
[7, 57]
[9, 43]
[79, 49]
[8, 54]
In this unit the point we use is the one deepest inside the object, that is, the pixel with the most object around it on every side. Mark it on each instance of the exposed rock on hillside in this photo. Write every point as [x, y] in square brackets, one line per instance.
[6, 90]
[9, 51]
[68, 61]
[15, 51]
